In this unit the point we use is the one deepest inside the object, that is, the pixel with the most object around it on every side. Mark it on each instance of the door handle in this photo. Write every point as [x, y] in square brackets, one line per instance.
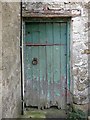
[35, 61]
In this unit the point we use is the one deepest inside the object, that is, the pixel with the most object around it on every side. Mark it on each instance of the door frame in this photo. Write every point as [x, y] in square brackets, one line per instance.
[68, 49]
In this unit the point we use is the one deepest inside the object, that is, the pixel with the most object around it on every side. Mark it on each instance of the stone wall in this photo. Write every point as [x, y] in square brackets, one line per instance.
[89, 54]
[11, 98]
[0, 61]
[80, 56]
[79, 43]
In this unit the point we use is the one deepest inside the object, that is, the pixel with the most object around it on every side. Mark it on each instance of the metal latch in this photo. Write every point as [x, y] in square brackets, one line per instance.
[35, 61]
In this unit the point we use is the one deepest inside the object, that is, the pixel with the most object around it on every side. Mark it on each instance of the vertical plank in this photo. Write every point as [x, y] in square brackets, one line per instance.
[35, 68]
[49, 62]
[63, 64]
[28, 67]
[56, 35]
[69, 82]
[42, 64]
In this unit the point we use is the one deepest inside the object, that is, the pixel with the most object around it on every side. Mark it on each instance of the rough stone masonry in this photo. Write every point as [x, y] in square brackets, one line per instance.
[0, 61]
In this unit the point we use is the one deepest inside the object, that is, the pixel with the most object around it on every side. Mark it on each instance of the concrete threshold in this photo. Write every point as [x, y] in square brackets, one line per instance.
[46, 113]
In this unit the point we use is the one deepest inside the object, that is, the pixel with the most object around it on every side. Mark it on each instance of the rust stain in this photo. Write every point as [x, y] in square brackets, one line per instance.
[31, 44]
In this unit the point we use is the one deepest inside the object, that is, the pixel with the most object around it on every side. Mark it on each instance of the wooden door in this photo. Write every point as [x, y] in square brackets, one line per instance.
[45, 64]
